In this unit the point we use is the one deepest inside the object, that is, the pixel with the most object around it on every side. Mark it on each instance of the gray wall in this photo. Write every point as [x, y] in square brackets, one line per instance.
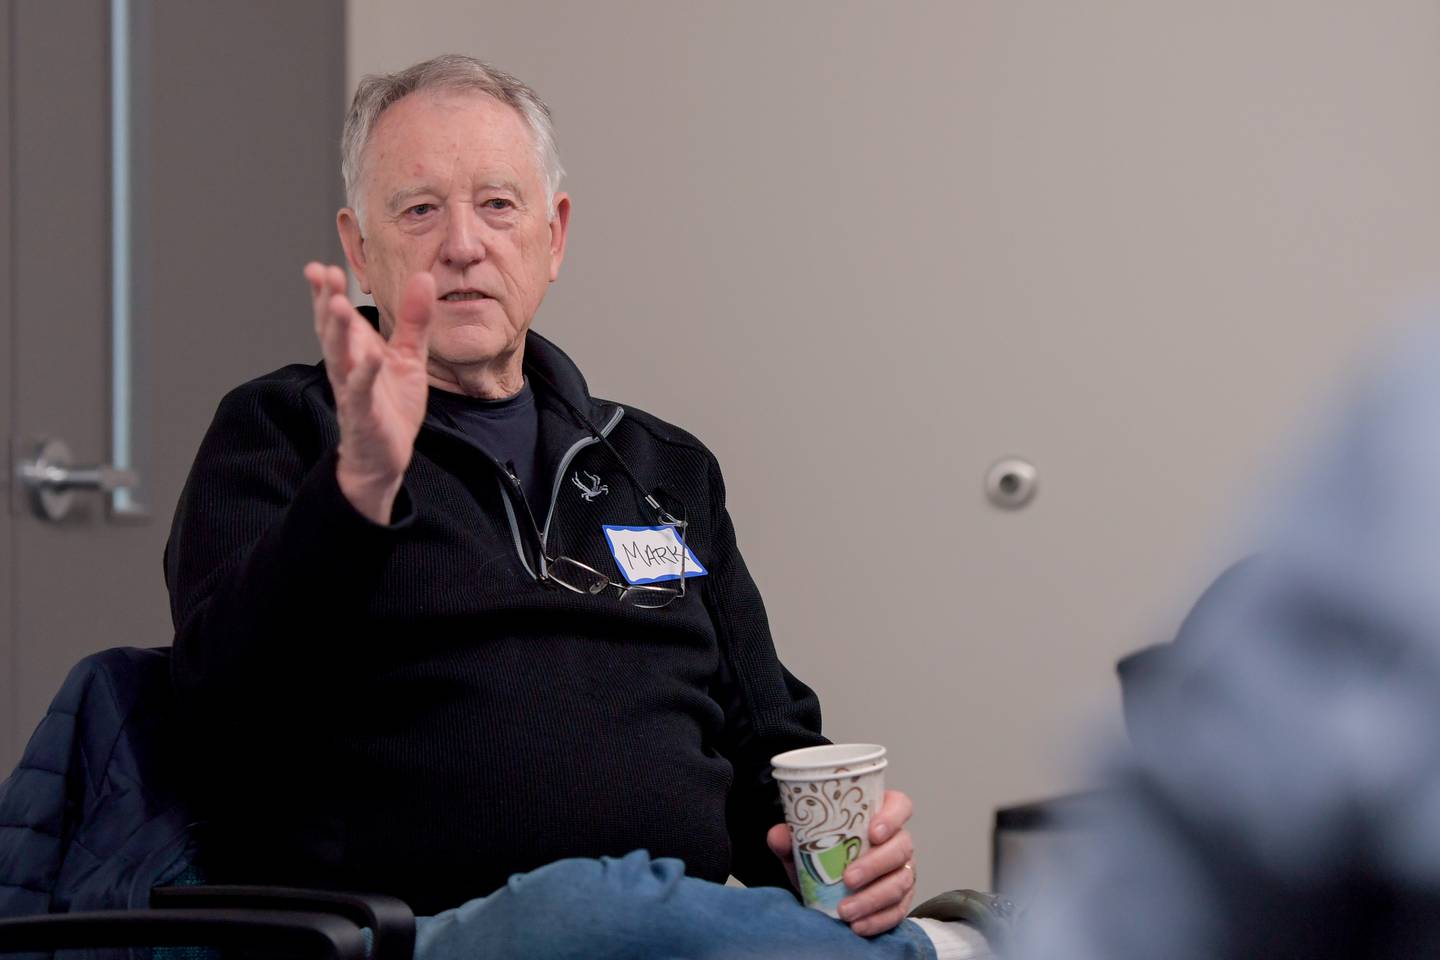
[864, 249]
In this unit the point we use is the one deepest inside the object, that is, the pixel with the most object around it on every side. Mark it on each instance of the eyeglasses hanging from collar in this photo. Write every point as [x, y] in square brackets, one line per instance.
[580, 577]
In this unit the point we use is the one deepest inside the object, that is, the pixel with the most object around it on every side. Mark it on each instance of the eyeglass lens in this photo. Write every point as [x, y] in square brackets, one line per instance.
[577, 576]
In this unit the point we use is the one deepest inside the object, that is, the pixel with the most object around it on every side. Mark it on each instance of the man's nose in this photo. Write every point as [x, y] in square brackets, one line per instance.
[464, 243]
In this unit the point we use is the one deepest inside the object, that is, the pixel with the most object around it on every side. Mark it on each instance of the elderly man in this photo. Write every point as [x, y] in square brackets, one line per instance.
[441, 615]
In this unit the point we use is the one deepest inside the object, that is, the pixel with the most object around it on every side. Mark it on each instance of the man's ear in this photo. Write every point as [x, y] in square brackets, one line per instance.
[559, 229]
[347, 223]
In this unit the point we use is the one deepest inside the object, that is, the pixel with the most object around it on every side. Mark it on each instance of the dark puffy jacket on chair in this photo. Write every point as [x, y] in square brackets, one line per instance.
[91, 818]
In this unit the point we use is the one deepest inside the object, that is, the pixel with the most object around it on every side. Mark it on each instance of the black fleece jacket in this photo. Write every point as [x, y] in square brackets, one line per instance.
[406, 709]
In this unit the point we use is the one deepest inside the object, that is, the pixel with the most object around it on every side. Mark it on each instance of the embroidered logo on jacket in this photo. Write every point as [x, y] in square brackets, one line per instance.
[588, 492]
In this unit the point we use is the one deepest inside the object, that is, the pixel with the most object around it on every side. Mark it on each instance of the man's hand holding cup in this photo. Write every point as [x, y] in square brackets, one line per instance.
[844, 842]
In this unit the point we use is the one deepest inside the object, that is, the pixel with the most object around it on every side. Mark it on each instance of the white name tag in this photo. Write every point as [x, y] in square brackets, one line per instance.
[651, 554]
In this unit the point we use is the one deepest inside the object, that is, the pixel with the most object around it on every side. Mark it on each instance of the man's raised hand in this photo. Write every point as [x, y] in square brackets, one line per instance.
[379, 385]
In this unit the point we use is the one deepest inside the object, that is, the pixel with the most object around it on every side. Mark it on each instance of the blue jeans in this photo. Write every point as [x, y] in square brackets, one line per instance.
[636, 907]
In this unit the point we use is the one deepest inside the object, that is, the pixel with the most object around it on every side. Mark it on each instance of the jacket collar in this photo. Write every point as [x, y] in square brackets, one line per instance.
[555, 372]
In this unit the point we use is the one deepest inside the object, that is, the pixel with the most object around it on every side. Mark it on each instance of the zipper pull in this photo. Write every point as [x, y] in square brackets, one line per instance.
[510, 472]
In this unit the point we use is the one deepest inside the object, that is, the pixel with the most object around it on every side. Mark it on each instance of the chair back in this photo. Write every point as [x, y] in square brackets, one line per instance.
[94, 815]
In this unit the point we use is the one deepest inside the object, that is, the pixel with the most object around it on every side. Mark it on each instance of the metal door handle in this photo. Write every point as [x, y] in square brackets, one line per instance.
[52, 481]
[53, 477]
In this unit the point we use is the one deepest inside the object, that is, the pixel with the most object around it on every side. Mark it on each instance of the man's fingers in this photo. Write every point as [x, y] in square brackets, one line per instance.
[315, 277]
[891, 890]
[347, 337]
[336, 279]
[894, 813]
[779, 841]
[880, 860]
[412, 327]
[878, 923]
[362, 378]
[884, 879]
[325, 282]
[335, 344]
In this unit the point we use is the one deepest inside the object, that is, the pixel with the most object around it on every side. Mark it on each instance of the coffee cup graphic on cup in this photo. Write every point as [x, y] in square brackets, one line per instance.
[825, 858]
[830, 794]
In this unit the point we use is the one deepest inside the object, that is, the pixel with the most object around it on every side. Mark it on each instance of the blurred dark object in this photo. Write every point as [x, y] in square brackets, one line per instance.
[102, 848]
[1279, 796]
[1144, 673]
[1028, 835]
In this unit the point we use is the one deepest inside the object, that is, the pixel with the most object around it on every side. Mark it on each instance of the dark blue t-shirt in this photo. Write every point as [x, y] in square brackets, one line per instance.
[508, 430]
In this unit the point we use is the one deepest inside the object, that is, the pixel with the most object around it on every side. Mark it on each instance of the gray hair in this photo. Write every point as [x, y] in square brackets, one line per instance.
[455, 73]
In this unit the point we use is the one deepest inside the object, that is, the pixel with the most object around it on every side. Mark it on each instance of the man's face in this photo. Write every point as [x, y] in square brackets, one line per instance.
[451, 186]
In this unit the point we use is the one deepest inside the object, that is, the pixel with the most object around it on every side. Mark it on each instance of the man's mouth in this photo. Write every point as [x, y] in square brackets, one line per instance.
[455, 296]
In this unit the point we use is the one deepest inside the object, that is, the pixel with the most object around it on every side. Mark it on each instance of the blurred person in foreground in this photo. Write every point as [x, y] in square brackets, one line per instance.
[418, 643]
[1282, 795]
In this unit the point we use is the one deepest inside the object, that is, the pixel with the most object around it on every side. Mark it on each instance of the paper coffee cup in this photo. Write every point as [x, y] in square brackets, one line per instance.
[830, 795]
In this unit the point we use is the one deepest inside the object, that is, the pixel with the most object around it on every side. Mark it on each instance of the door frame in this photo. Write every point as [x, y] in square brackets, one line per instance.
[9, 668]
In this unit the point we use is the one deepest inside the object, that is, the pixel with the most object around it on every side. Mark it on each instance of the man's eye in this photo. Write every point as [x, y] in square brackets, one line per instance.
[421, 209]
[498, 203]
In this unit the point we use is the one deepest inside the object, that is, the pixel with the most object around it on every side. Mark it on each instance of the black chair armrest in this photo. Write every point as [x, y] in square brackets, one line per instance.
[309, 934]
[389, 919]
[1070, 811]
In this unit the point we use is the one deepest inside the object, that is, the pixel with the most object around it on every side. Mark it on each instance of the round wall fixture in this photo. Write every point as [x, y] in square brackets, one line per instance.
[1011, 483]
